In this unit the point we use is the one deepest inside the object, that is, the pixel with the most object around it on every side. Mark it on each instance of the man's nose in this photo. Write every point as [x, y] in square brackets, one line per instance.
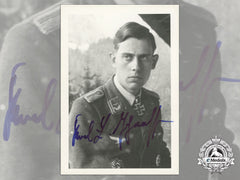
[135, 65]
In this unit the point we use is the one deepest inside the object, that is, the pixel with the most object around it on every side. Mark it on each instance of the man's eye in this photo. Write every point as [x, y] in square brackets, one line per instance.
[144, 58]
[127, 57]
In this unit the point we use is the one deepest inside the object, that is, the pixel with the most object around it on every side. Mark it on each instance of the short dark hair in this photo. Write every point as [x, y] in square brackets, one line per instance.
[135, 30]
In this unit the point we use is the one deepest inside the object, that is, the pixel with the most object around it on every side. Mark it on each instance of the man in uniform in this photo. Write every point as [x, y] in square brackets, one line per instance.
[118, 125]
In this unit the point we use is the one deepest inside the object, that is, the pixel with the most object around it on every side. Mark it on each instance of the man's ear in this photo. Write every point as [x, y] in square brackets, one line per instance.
[113, 58]
[154, 60]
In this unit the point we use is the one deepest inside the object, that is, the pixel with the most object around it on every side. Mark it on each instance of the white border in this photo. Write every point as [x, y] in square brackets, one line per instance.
[173, 10]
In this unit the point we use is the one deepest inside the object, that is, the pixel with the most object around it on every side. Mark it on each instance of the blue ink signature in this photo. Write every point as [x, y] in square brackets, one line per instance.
[76, 135]
[127, 127]
[13, 116]
[13, 108]
[125, 131]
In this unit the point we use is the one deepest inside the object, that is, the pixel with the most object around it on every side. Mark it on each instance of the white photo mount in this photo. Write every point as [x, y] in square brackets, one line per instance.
[113, 11]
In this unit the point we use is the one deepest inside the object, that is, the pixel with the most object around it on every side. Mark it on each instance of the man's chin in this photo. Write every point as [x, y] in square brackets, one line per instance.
[134, 87]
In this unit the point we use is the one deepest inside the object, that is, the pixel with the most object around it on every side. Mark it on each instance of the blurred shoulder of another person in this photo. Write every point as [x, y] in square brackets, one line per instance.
[35, 42]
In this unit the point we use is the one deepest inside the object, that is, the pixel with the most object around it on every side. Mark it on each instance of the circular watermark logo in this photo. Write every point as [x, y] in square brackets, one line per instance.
[215, 155]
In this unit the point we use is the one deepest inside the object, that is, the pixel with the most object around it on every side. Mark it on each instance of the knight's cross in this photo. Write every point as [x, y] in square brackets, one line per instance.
[138, 106]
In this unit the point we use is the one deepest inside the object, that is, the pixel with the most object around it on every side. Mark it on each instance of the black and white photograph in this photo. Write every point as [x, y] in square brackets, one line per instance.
[119, 90]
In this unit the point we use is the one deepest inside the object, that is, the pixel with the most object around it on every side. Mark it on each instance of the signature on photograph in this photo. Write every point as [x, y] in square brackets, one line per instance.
[126, 122]
[14, 116]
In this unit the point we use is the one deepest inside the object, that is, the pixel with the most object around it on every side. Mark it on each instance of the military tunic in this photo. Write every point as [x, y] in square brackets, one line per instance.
[105, 109]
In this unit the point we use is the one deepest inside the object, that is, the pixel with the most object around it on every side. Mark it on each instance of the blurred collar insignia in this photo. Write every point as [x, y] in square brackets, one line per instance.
[48, 20]
[115, 105]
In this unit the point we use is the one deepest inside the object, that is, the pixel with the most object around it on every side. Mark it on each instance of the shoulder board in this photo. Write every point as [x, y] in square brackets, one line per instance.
[151, 93]
[94, 95]
[48, 20]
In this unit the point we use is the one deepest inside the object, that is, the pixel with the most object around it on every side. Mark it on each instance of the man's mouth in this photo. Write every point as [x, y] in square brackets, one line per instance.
[135, 77]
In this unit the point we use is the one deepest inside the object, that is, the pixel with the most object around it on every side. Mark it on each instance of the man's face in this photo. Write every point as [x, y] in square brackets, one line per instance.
[133, 62]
